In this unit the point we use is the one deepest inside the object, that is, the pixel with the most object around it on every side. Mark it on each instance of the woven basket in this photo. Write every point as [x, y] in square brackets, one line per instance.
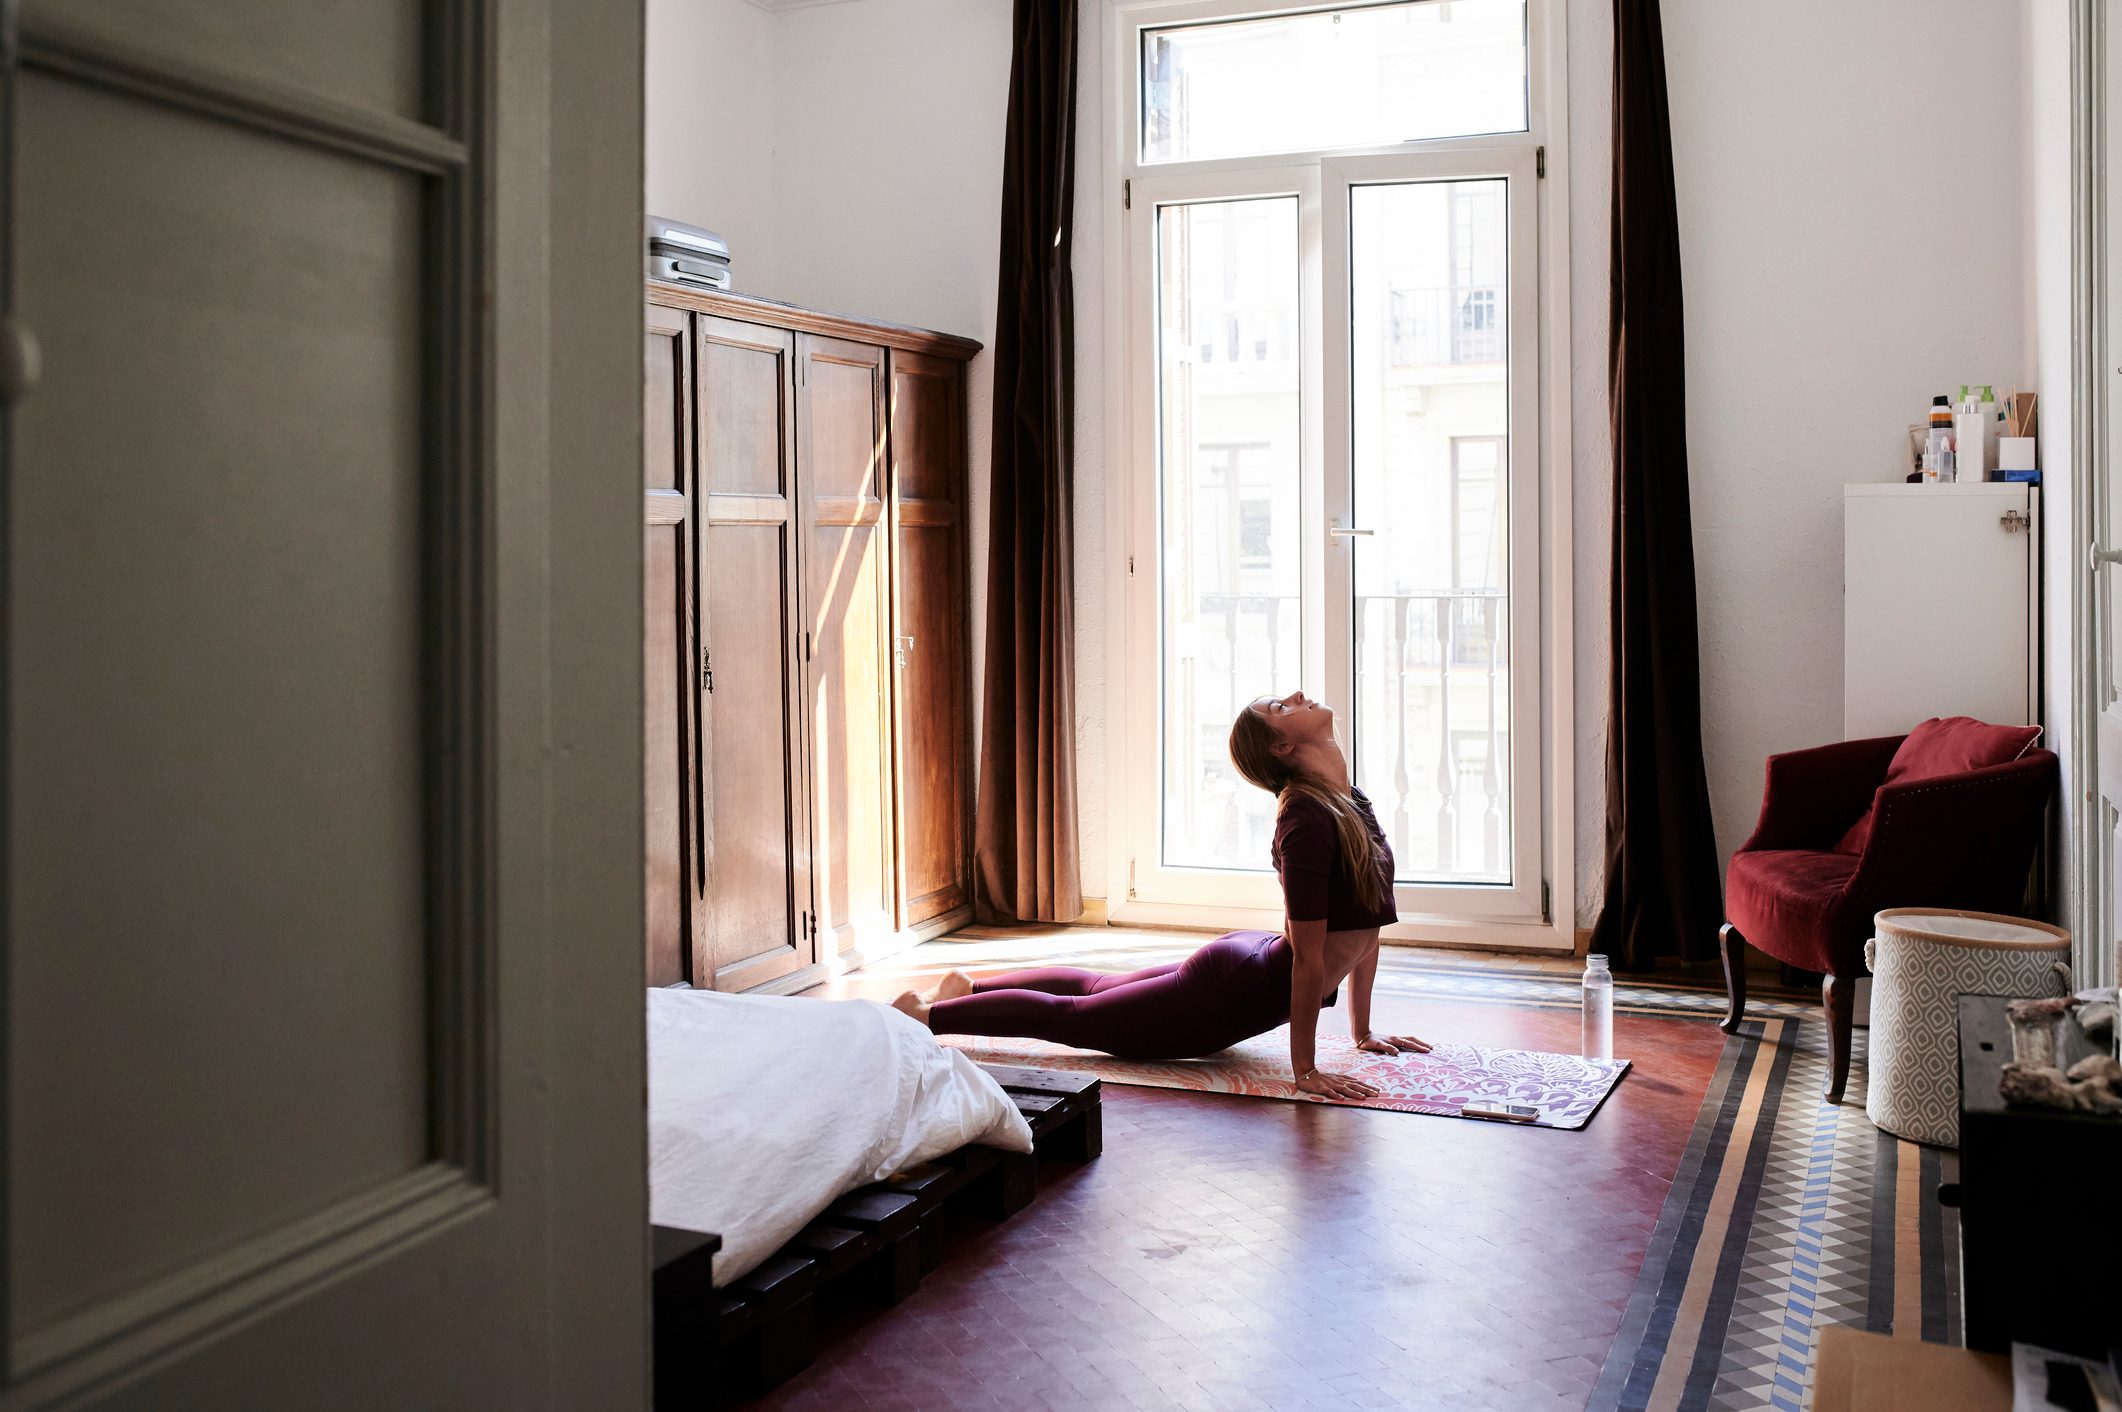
[1923, 959]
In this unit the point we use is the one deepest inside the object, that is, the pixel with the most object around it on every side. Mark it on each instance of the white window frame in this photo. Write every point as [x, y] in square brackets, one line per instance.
[1539, 912]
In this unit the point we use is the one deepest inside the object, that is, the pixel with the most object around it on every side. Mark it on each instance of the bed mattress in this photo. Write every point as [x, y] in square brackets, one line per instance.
[763, 1110]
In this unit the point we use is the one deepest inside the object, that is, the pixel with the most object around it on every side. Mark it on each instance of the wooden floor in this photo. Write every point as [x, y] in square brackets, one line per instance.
[1242, 1253]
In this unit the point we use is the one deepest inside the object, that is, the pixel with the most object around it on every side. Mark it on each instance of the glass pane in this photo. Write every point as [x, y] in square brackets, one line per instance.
[1227, 450]
[1336, 78]
[1430, 426]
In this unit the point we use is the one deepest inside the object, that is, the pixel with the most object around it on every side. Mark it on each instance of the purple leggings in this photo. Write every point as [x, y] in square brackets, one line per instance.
[1235, 987]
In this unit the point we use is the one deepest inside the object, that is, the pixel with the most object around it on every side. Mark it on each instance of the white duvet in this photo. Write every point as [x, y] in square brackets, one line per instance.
[763, 1110]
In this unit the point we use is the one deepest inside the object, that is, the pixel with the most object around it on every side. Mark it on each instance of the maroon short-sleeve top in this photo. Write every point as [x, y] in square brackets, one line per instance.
[1315, 882]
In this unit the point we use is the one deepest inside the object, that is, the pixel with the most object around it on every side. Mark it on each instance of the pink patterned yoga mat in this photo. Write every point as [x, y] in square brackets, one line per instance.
[1566, 1089]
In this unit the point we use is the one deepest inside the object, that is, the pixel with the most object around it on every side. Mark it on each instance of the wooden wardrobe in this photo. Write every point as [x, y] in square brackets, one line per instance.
[809, 717]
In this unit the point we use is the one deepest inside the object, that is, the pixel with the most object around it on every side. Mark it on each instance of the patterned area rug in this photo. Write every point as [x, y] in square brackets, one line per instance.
[1565, 1088]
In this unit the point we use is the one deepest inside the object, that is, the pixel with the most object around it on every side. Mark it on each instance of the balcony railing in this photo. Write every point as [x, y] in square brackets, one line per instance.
[1430, 726]
[1459, 324]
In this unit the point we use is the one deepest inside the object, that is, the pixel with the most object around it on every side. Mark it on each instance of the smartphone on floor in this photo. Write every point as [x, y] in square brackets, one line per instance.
[1497, 1111]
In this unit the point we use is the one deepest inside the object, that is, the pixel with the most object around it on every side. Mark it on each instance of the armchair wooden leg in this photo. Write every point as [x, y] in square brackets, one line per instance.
[1734, 977]
[1838, 1000]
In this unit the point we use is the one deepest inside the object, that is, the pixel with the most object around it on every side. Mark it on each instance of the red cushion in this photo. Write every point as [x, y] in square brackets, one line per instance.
[1945, 745]
[1786, 901]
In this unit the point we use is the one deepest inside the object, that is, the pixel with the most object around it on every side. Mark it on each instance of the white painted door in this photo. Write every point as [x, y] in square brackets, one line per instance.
[322, 814]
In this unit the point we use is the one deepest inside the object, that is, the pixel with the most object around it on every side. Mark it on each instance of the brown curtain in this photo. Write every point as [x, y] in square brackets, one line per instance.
[1025, 853]
[1663, 898]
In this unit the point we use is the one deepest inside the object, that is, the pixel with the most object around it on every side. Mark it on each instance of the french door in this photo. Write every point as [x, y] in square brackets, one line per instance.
[1335, 431]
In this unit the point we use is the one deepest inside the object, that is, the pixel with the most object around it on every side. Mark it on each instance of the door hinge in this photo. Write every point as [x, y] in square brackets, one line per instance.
[1130, 566]
[1539, 162]
[806, 644]
[1547, 901]
[707, 671]
[1127, 194]
[1130, 879]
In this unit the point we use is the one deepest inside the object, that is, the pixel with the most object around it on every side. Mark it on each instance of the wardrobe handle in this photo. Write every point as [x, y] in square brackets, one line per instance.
[21, 361]
[2106, 556]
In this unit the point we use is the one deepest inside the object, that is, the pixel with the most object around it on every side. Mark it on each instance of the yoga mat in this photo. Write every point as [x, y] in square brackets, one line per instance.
[1567, 1089]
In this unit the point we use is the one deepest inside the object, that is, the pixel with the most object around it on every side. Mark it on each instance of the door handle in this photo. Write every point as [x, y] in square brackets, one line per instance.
[21, 361]
[1344, 532]
[2105, 556]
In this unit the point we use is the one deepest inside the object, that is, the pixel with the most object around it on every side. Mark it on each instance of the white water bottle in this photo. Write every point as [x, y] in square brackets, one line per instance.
[1598, 1009]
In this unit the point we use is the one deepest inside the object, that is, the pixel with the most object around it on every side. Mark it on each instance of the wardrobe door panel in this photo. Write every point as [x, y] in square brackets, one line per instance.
[932, 658]
[757, 903]
[849, 617]
[671, 815]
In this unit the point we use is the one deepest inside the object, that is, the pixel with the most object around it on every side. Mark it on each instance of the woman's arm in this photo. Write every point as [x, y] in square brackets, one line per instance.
[1307, 987]
[1359, 984]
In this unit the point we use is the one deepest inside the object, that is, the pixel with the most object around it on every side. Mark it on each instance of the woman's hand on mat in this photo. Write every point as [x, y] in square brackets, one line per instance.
[1393, 1044]
[1328, 1085]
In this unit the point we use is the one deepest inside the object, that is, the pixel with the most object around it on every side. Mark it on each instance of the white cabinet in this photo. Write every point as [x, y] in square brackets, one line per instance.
[1939, 599]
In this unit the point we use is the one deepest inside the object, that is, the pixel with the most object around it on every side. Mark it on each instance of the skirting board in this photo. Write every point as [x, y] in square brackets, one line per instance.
[875, 949]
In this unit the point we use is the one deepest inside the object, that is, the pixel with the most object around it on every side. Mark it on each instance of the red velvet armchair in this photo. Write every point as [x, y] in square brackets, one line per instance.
[1804, 888]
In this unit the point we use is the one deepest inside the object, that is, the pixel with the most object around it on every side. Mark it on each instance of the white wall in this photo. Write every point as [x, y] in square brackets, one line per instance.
[710, 104]
[1818, 241]
[1835, 281]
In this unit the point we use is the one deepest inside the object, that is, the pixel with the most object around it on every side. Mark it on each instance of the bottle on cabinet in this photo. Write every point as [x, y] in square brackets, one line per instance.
[1938, 447]
[1975, 433]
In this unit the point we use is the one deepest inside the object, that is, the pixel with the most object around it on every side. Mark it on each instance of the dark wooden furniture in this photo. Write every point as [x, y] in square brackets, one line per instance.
[2035, 1196]
[874, 1245]
[809, 655]
[683, 1301]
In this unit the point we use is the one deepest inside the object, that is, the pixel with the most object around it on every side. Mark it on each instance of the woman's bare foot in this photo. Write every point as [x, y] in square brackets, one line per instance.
[911, 1003]
[953, 985]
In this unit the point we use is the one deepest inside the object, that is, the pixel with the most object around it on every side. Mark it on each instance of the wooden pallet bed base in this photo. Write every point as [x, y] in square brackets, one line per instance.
[714, 1347]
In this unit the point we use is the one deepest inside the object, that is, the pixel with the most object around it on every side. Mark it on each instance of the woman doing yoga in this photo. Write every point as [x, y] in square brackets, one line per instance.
[1336, 870]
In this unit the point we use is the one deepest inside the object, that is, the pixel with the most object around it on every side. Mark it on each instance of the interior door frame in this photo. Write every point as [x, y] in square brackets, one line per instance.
[2092, 831]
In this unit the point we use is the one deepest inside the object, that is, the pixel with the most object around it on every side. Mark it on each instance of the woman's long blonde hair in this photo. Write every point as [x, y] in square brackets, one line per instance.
[1252, 750]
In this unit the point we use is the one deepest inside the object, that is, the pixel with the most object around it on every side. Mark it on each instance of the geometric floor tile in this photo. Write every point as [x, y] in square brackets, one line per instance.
[1788, 1214]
